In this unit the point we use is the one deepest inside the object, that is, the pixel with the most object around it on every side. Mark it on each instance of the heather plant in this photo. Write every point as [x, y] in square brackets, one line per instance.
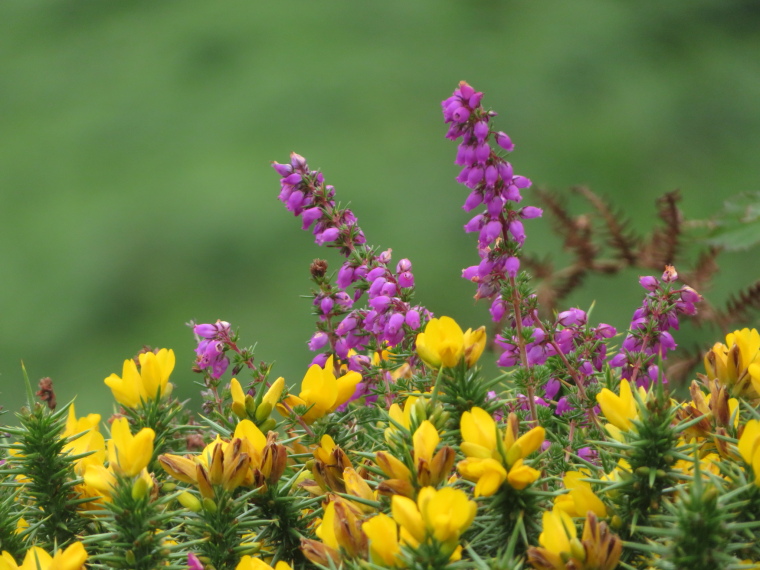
[395, 449]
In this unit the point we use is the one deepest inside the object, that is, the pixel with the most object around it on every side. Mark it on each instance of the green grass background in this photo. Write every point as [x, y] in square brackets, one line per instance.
[137, 137]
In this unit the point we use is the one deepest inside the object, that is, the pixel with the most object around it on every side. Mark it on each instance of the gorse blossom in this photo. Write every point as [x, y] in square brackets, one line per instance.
[736, 364]
[494, 457]
[71, 558]
[149, 383]
[321, 392]
[444, 344]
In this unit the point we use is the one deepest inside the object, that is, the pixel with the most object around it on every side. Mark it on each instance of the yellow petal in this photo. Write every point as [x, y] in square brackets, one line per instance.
[425, 440]
[477, 426]
[382, 532]
[407, 515]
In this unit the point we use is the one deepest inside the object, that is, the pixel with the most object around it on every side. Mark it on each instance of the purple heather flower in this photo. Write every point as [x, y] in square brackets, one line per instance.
[512, 266]
[318, 341]
[503, 140]
[551, 388]
[572, 317]
[193, 563]
[406, 279]
[648, 282]
[563, 406]
[530, 212]
[588, 453]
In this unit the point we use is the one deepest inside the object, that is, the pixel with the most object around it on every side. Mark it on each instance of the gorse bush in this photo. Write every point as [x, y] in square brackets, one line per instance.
[395, 451]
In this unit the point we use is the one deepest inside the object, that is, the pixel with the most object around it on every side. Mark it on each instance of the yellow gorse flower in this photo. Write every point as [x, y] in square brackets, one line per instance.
[493, 457]
[251, 563]
[382, 533]
[149, 383]
[89, 440]
[560, 549]
[444, 344]
[249, 459]
[736, 364]
[749, 447]
[129, 454]
[72, 558]
[321, 392]
[619, 410]
[440, 515]
[581, 497]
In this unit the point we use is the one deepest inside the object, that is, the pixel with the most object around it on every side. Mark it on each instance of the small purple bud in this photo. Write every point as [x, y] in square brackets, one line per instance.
[605, 331]
[475, 99]
[485, 267]
[463, 175]
[491, 176]
[395, 323]
[512, 193]
[563, 406]
[309, 216]
[341, 348]
[193, 563]
[360, 272]
[380, 303]
[506, 171]
[521, 182]
[403, 265]
[343, 300]
[465, 90]
[503, 140]
[320, 359]
[330, 234]
[482, 152]
[345, 276]
[326, 305]
[517, 230]
[461, 115]
[385, 256]
[618, 360]
[471, 272]
[283, 170]
[475, 224]
[551, 388]
[475, 176]
[495, 205]
[588, 453]
[529, 212]
[649, 283]
[205, 331]
[412, 319]
[512, 266]
[346, 325]
[292, 179]
[390, 289]
[375, 273]
[689, 295]
[572, 317]
[498, 308]
[480, 130]
[490, 231]
[377, 286]
[473, 201]
[406, 279]
[667, 341]
[219, 367]
[318, 341]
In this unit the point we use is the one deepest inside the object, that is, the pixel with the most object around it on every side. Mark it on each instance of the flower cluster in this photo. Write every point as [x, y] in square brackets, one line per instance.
[397, 450]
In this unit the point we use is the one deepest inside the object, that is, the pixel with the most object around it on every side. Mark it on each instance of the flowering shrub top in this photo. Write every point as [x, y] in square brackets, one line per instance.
[395, 451]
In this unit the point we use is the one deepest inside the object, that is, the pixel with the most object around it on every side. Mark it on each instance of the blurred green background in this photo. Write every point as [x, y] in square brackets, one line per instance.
[137, 137]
